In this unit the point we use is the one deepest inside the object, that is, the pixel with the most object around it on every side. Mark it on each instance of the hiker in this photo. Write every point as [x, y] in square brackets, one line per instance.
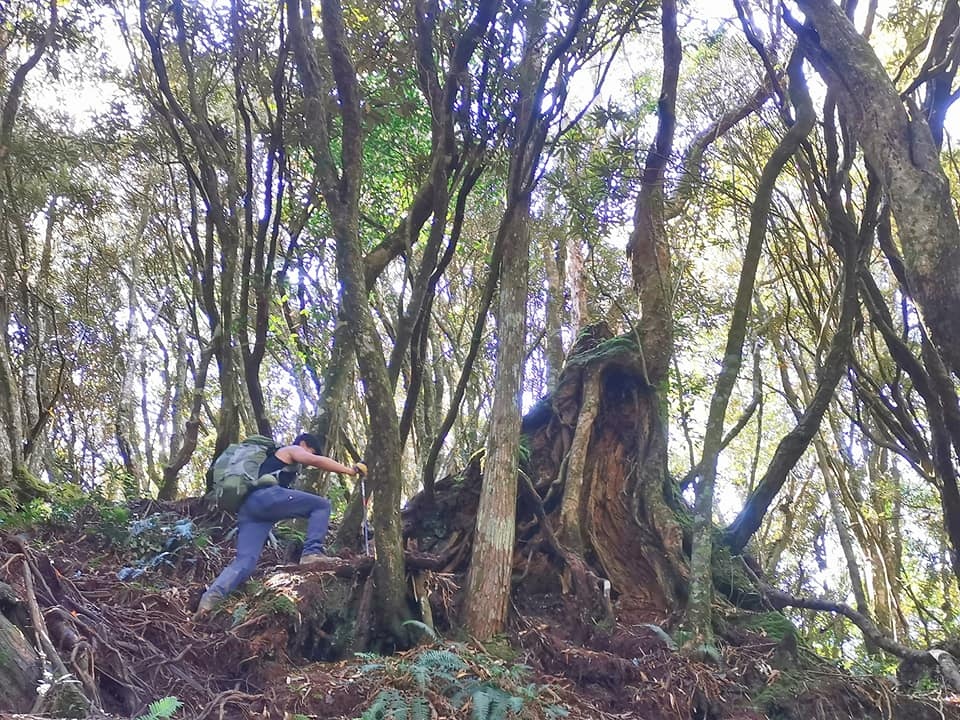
[272, 500]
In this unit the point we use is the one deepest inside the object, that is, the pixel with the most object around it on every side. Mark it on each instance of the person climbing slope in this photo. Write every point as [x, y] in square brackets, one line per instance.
[270, 499]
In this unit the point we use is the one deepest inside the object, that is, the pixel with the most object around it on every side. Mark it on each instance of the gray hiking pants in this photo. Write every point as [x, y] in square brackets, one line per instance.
[261, 510]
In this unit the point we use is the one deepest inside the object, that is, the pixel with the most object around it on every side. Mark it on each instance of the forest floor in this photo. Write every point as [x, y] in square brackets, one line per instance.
[118, 586]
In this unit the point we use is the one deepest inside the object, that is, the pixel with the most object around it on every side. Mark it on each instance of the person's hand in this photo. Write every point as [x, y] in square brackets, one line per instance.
[360, 468]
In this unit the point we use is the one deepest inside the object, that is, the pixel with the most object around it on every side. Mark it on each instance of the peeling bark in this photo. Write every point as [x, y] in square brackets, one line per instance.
[631, 536]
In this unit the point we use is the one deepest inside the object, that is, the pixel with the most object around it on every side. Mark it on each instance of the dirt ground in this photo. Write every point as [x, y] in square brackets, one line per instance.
[117, 593]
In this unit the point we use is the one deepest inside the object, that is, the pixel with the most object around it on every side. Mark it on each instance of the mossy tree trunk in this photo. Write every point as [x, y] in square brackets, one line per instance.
[20, 669]
[340, 176]
[14, 475]
[702, 553]
[901, 148]
[598, 447]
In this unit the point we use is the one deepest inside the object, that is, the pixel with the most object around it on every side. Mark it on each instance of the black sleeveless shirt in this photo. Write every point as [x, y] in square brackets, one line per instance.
[287, 474]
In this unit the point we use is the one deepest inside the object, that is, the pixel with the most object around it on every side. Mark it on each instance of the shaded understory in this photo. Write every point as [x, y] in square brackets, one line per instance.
[285, 645]
[599, 582]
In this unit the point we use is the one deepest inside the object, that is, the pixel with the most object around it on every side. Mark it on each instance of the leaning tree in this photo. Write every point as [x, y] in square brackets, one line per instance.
[599, 515]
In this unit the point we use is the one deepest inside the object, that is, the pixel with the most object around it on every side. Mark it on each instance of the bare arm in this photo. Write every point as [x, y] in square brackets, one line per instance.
[296, 454]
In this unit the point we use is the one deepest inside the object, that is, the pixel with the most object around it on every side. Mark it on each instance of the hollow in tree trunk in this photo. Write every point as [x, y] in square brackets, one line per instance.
[600, 437]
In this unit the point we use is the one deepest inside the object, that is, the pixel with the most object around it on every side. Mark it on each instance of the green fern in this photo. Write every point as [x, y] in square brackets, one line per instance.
[492, 703]
[441, 661]
[421, 675]
[464, 682]
[374, 662]
[388, 705]
[435, 667]
[420, 709]
[162, 709]
[482, 702]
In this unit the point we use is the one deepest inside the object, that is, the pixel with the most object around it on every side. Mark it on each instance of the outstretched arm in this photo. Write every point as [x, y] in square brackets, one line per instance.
[297, 454]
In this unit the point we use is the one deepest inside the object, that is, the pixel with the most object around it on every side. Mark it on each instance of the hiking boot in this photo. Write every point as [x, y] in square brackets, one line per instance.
[312, 558]
[208, 603]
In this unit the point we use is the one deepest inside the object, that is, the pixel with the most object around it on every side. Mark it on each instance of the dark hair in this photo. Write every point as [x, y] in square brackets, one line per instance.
[311, 440]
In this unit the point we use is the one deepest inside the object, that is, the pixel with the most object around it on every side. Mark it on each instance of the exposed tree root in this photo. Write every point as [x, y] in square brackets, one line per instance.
[251, 658]
[938, 658]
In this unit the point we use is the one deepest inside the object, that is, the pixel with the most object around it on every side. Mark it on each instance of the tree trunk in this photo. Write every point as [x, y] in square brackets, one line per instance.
[177, 416]
[570, 532]
[552, 263]
[648, 248]
[702, 554]
[13, 474]
[35, 371]
[492, 563]
[843, 527]
[579, 307]
[125, 423]
[184, 451]
[11, 424]
[341, 192]
[628, 515]
[901, 149]
[20, 669]
[228, 422]
[336, 382]
[792, 446]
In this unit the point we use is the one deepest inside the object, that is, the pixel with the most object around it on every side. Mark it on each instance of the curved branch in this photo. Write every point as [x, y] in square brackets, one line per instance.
[871, 632]
[12, 103]
[690, 174]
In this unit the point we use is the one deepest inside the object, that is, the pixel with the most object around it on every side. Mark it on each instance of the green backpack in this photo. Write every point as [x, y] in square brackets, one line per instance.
[237, 470]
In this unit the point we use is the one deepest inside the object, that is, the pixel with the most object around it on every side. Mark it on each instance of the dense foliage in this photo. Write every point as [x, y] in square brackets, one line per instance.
[175, 204]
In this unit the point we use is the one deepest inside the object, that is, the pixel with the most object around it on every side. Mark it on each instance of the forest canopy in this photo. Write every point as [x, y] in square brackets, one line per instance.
[687, 274]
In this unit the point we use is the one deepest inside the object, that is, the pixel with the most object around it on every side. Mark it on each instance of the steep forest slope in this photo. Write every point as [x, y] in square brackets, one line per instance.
[114, 588]
[642, 314]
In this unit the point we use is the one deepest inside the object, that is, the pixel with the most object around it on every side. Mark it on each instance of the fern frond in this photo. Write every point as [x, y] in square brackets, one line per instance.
[162, 709]
[441, 660]
[421, 675]
[493, 703]
[388, 705]
[463, 691]
[420, 709]
[481, 704]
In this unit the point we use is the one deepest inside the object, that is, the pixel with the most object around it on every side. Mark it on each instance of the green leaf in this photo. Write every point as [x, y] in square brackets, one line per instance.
[162, 709]
[481, 704]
